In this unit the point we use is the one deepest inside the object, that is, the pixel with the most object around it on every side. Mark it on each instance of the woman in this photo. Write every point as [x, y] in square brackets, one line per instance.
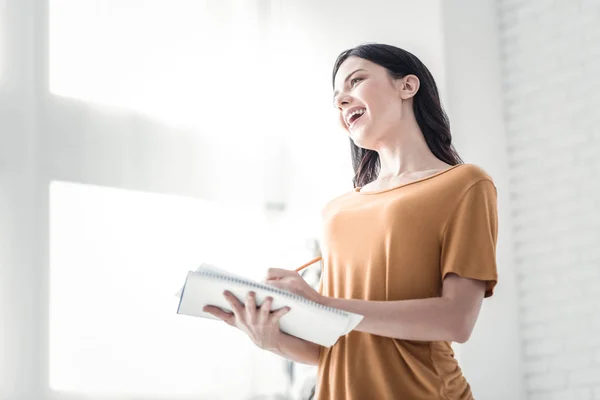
[412, 247]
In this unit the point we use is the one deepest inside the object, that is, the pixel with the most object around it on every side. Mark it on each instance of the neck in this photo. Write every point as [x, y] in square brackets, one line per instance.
[409, 153]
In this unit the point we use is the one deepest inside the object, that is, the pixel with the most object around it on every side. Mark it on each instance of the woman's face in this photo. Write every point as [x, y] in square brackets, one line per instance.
[368, 100]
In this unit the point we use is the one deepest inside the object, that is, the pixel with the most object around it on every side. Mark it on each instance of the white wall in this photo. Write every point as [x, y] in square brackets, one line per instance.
[491, 359]
[550, 70]
[20, 240]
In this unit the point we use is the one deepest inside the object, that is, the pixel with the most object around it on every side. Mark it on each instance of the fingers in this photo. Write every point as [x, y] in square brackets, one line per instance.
[276, 315]
[222, 315]
[251, 307]
[247, 313]
[278, 273]
[267, 315]
[236, 306]
[280, 284]
[265, 309]
[276, 283]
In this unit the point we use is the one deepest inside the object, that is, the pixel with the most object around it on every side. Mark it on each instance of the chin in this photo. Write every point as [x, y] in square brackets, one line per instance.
[362, 140]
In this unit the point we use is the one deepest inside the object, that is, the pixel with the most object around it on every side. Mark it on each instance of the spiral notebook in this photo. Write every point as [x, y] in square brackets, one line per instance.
[306, 320]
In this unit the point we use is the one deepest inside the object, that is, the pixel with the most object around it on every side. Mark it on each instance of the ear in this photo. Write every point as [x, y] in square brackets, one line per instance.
[408, 86]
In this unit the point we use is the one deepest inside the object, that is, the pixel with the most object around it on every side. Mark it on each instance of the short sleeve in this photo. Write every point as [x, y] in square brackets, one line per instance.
[470, 236]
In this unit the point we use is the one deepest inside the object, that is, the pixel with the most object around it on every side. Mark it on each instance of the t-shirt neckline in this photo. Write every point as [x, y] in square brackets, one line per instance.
[358, 189]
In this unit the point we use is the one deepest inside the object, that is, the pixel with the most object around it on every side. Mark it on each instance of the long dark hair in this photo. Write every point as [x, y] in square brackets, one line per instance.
[429, 113]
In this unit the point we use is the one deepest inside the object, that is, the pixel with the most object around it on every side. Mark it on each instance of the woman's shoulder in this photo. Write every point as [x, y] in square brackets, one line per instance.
[338, 198]
[339, 202]
[469, 174]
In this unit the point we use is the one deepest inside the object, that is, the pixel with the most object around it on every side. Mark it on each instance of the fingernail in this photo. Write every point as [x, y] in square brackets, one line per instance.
[269, 299]
[226, 293]
[287, 309]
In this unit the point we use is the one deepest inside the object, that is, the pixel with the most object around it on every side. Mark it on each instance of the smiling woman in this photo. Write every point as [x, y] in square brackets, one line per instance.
[412, 248]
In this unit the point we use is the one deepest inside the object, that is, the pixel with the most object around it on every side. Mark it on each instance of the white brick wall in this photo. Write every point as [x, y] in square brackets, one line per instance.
[551, 78]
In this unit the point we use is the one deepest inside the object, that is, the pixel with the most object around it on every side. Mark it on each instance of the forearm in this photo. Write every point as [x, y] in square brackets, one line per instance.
[431, 319]
[297, 350]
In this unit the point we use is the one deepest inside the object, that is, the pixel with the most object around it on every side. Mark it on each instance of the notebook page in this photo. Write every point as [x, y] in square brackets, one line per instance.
[353, 321]
[212, 268]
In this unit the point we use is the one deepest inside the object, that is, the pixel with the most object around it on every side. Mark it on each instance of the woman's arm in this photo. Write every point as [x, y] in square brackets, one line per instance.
[447, 318]
[297, 350]
[450, 317]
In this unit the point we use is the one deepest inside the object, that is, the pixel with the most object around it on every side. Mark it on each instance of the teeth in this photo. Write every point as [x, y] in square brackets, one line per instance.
[355, 112]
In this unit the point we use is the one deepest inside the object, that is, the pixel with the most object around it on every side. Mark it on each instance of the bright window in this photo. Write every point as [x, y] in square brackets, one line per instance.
[181, 61]
[116, 259]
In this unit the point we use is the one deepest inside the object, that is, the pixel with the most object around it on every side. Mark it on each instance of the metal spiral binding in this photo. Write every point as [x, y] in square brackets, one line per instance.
[273, 290]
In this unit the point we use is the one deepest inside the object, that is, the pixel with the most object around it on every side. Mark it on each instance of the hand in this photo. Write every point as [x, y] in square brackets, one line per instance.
[292, 282]
[260, 324]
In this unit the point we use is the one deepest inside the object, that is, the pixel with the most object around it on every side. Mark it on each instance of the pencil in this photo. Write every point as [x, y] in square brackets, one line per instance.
[311, 262]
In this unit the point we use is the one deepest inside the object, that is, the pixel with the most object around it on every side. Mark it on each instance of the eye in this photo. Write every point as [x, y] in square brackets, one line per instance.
[354, 81]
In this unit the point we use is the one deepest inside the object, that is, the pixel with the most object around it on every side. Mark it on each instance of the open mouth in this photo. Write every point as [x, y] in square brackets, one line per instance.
[356, 115]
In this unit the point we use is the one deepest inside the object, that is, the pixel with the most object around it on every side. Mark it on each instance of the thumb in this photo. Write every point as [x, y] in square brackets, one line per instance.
[278, 273]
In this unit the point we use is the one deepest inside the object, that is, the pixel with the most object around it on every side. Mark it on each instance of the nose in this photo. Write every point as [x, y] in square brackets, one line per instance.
[343, 99]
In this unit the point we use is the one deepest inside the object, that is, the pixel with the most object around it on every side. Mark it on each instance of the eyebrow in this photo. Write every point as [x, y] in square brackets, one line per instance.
[346, 80]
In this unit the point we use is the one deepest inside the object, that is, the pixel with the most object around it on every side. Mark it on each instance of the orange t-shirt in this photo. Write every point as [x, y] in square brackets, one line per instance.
[399, 244]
